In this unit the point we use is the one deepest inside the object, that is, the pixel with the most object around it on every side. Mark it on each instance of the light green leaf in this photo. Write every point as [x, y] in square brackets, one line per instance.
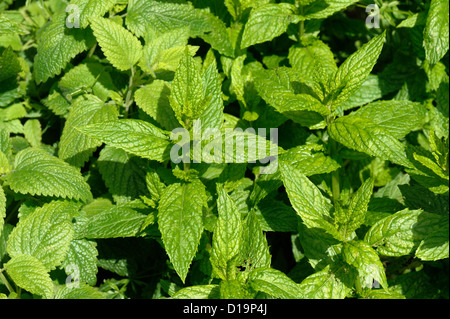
[362, 135]
[349, 219]
[275, 283]
[81, 292]
[396, 117]
[81, 261]
[133, 136]
[118, 44]
[88, 9]
[436, 34]
[325, 8]
[118, 221]
[198, 292]
[33, 132]
[353, 72]
[227, 236]
[28, 273]
[32, 175]
[401, 233]
[307, 200]
[329, 283]
[267, 22]
[57, 46]
[180, 221]
[187, 96]
[45, 234]
[76, 147]
[362, 256]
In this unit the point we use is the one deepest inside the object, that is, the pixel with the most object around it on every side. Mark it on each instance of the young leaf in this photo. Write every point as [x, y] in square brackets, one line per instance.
[180, 221]
[133, 136]
[436, 34]
[57, 46]
[307, 200]
[45, 234]
[362, 256]
[76, 147]
[267, 22]
[33, 132]
[355, 69]
[29, 274]
[227, 236]
[187, 99]
[119, 45]
[32, 175]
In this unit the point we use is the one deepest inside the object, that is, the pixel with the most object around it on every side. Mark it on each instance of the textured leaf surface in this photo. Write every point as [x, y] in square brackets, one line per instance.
[362, 256]
[401, 233]
[29, 274]
[45, 234]
[119, 45]
[57, 46]
[435, 245]
[325, 8]
[2, 208]
[82, 258]
[436, 34]
[76, 147]
[267, 22]
[180, 222]
[274, 283]
[133, 136]
[365, 136]
[226, 237]
[38, 173]
[88, 9]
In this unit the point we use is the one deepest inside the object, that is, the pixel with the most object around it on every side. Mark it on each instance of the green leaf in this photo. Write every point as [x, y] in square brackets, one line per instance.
[45, 234]
[325, 8]
[435, 245]
[122, 220]
[353, 72]
[9, 64]
[32, 175]
[401, 233]
[76, 147]
[396, 117]
[198, 292]
[307, 200]
[187, 96]
[267, 22]
[362, 256]
[349, 220]
[119, 45]
[57, 46]
[122, 174]
[329, 283]
[275, 283]
[28, 273]
[180, 221]
[227, 236]
[81, 292]
[88, 9]
[81, 261]
[436, 34]
[33, 132]
[153, 99]
[362, 135]
[133, 136]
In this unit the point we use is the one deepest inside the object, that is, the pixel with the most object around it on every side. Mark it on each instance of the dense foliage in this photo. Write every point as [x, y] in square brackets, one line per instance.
[94, 203]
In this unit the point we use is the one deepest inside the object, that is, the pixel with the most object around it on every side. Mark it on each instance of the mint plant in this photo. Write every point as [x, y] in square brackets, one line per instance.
[224, 149]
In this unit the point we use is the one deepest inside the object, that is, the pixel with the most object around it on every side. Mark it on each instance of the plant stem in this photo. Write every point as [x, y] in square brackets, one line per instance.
[5, 281]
